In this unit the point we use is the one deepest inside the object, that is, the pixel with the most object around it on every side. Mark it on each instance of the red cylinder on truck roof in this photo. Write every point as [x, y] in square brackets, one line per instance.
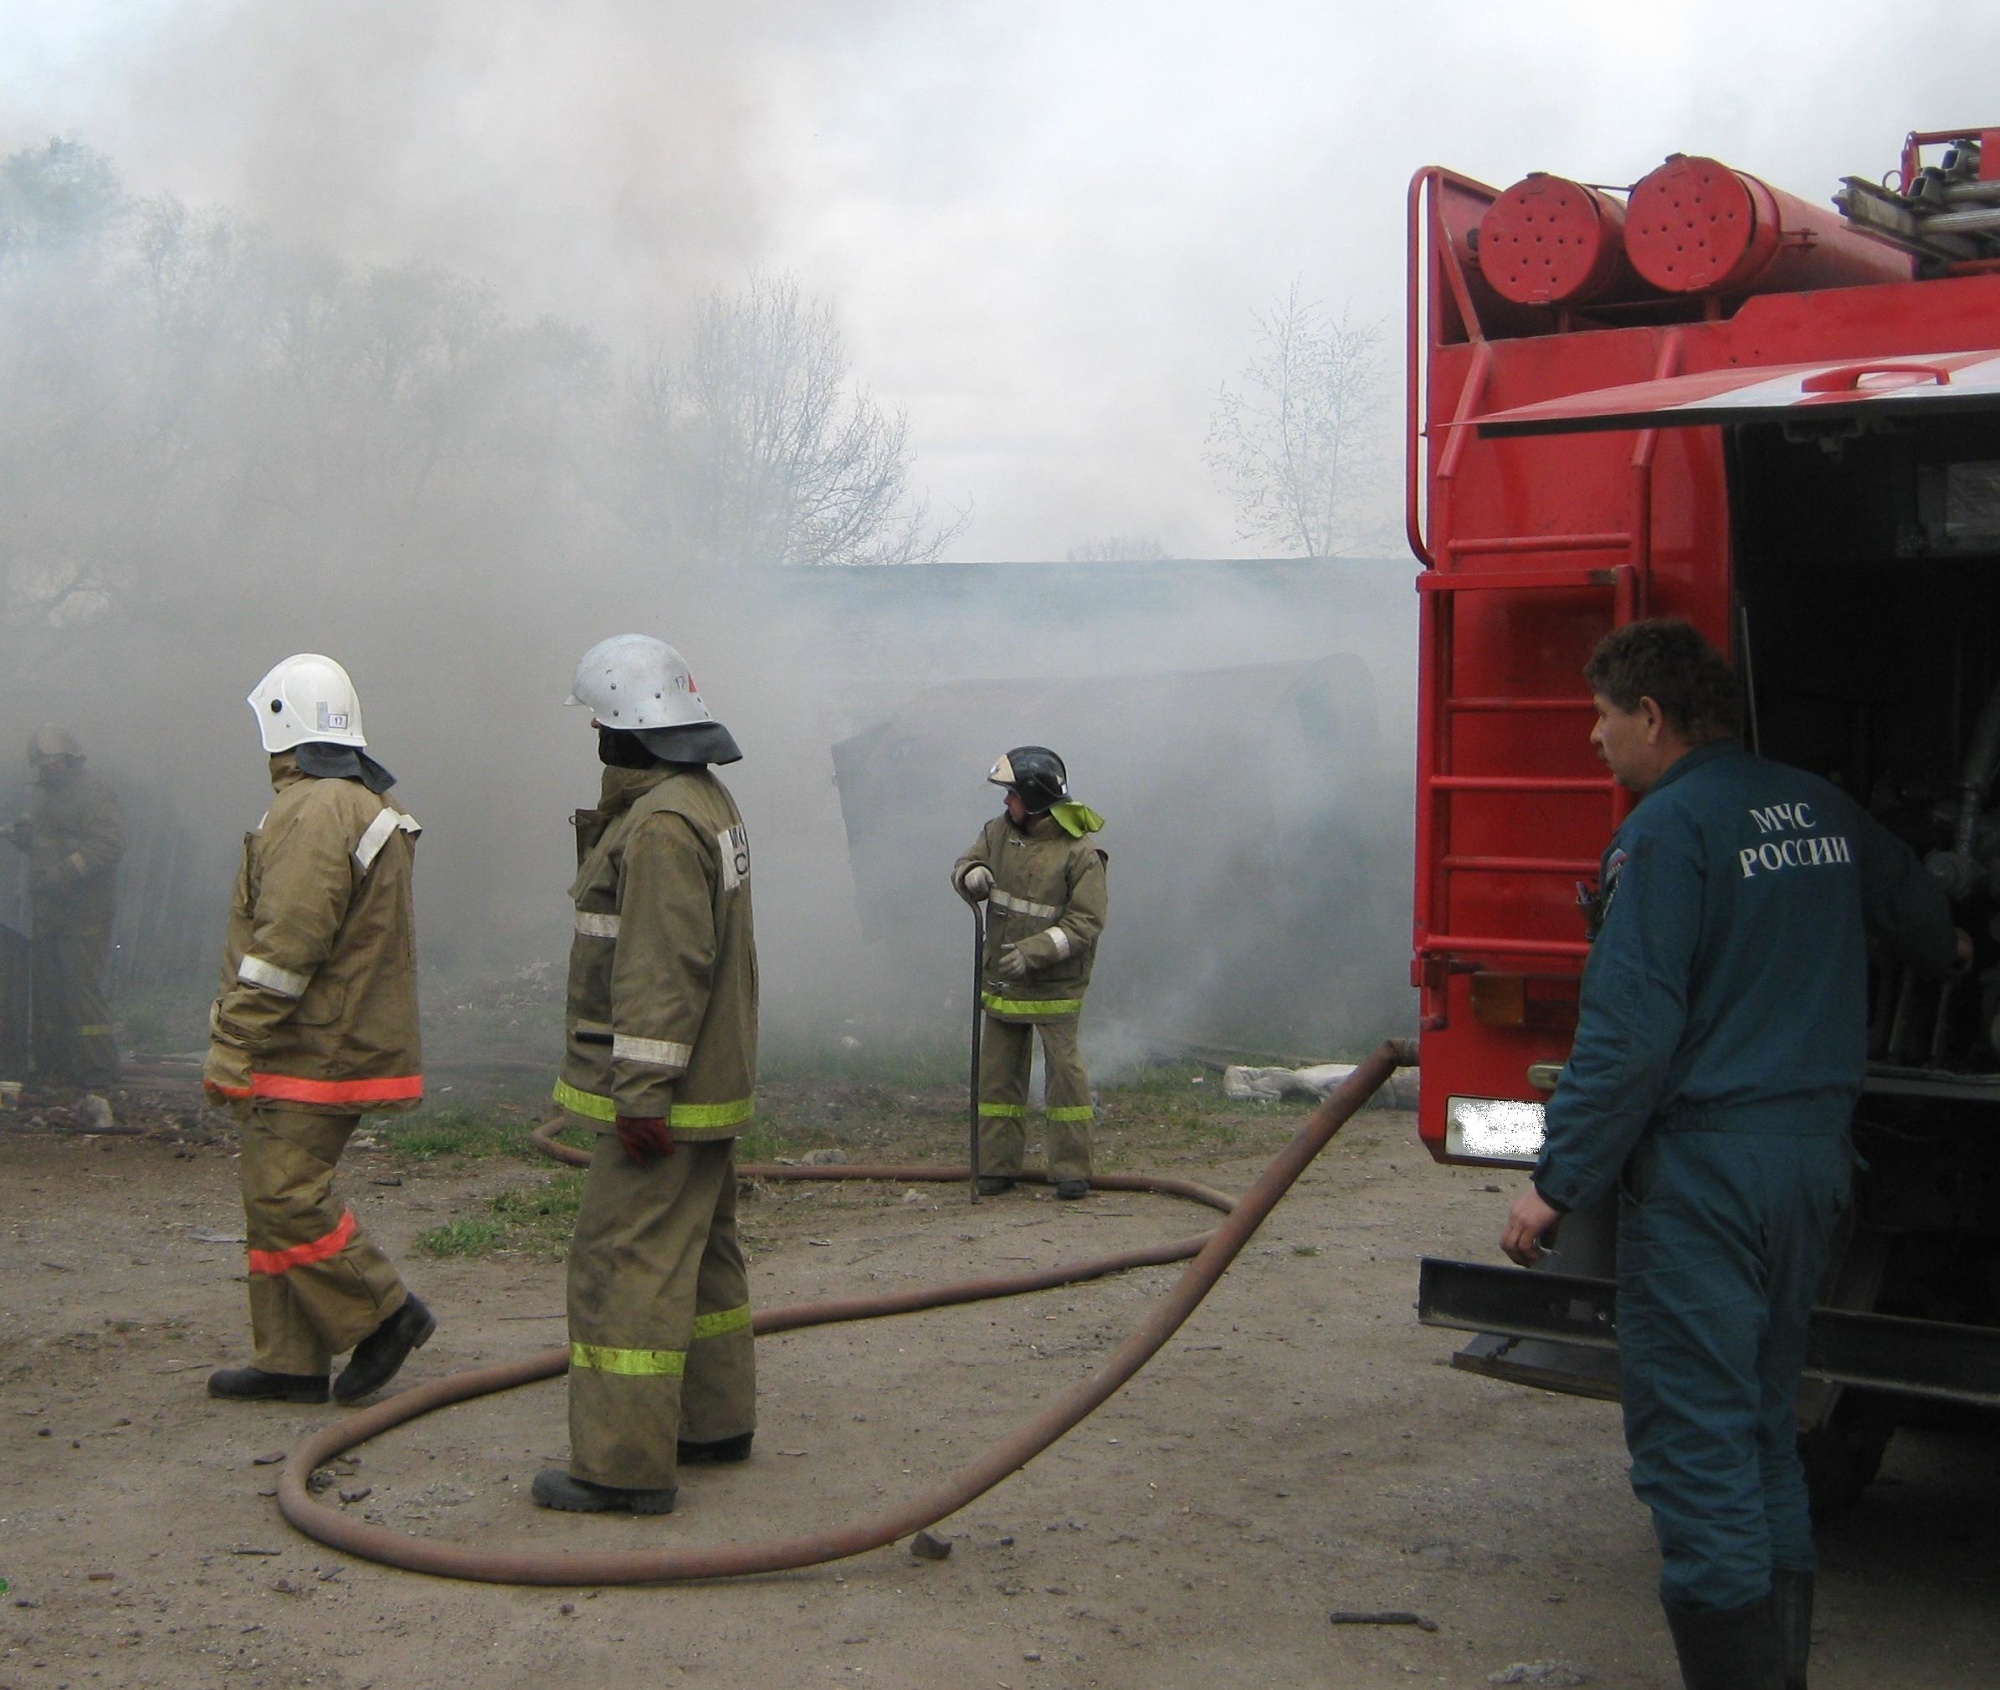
[1550, 241]
[1695, 226]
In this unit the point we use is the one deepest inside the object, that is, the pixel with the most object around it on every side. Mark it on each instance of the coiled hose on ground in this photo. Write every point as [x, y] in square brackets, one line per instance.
[1212, 1252]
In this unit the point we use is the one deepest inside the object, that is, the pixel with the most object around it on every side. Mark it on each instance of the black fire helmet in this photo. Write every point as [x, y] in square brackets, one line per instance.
[1036, 773]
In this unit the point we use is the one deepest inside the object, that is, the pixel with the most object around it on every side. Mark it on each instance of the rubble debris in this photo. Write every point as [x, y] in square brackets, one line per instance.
[1549, 1675]
[928, 1546]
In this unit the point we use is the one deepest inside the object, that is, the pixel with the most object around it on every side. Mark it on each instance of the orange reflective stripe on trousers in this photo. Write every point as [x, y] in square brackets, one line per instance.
[288, 1088]
[304, 1255]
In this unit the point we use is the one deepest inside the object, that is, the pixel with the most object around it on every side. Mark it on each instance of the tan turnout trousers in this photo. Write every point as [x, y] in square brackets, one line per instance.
[318, 1284]
[659, 1313]
[75, 1040]
[1006, 1057]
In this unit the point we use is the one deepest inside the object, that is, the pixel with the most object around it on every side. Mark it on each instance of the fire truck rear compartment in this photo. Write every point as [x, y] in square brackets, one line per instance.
[1868, 587]
[1867, 592]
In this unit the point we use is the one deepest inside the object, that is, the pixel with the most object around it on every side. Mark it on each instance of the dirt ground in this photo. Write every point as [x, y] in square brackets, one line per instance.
[1303, 1446]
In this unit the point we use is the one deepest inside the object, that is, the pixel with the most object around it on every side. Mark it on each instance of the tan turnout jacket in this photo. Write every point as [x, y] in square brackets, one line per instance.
[662, 1016]
[319, 974]
[1048, 898]
[73, 839]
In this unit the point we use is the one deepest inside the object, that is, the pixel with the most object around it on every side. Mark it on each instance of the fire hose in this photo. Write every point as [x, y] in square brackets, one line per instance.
[1211, 1254]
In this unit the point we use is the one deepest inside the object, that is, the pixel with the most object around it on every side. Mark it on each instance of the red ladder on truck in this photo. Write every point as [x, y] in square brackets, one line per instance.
[1441, 704]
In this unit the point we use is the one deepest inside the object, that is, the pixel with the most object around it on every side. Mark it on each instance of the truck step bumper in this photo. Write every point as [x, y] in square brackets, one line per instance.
[1558, 1330]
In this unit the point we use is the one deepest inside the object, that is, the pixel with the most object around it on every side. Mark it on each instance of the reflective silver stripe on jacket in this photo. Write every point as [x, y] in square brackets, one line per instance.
[1057, 937]
[378, 835]
[595, 926]
[655, 1053]
[272, 978]
[1022, 906]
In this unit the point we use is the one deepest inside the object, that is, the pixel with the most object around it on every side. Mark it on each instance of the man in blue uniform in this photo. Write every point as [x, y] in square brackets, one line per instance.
[1720, 1048]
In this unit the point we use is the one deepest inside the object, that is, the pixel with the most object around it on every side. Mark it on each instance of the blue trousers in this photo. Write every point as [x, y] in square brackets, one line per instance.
[1722, 1245]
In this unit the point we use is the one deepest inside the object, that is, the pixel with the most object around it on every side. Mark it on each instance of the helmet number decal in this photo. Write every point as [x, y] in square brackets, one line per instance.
[331, 721]
[734, 844]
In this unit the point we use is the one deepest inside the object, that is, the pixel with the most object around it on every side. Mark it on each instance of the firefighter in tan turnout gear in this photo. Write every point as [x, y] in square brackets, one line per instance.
[73, 838]
[1043, 883]
[315, 1025]
[661, 1062]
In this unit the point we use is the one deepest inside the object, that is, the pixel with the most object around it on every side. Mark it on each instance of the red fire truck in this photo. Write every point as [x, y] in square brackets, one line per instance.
[1706, 398]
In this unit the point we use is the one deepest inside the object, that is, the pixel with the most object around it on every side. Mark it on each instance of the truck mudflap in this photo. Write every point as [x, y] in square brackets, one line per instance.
[1560, 1332]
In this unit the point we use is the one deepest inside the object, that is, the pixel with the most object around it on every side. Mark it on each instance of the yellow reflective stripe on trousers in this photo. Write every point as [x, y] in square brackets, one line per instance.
[696, 1117]
[1080, 1114]
[94, 1032]
[1030, 1006]
[585, 1103]
[640, 1364]
[723, 1321]
[1006, 1111]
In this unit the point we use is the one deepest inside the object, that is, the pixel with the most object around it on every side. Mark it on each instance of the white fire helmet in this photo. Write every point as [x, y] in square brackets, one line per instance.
[49, 742]
[307, 699]
[633, 682]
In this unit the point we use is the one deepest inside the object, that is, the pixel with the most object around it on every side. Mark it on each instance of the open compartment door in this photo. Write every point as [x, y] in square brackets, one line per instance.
[1930, 384]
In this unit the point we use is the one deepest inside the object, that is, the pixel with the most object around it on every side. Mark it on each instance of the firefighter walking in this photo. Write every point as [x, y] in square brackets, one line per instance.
[317, 1023]
[73, 838]
[1042, 881]
[661, 1062]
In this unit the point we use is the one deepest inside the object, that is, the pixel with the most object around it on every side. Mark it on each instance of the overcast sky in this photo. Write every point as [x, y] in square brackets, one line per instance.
[1043, 222]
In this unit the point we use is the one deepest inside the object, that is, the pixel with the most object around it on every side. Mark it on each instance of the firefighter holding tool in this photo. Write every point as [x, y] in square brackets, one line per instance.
[316, 1025]
[1720, 1049]
[1042, 880]
[73, 838]
[661, 1063]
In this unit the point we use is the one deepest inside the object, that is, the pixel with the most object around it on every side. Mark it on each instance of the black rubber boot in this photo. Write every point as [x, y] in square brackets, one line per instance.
[1729, 1649]
[253, 1384]
[1792, 1604]
[377, 1357]
[991, 1185]
[1069, 1190]
[720, 1449]
[553, 1488]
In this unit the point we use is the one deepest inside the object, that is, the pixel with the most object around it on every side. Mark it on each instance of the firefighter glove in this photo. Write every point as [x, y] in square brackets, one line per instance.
[645, 1136]
[225, 1076]
[1012, 964]
[976, 883]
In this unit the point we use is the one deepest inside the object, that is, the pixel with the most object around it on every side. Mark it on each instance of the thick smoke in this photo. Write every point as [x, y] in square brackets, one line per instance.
[223, 448]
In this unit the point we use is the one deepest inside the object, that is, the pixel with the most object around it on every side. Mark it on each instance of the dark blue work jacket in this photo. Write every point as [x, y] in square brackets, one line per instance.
[1728, 985]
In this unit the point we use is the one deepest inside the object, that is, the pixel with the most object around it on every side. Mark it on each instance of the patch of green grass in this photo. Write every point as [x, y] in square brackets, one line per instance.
[524, 1220]
[469, 1237]
[1305, 1249]
[539, 1219]
[1170, 1079]
[454, 1129]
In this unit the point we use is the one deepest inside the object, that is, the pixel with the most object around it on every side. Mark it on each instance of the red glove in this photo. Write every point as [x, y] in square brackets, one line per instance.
[645, 1136]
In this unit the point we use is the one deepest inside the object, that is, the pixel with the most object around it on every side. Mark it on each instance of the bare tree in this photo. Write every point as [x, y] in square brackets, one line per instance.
[1293, 445]
[759, 452]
